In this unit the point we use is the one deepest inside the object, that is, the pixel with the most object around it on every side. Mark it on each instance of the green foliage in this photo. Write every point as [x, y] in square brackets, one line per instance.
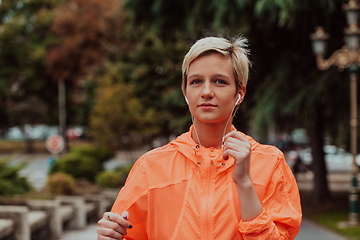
[101, 154]
[24, 36]
[118, 118]
[124, 172]
[83, 162]
[78, 166]
[31, 110]
[86, 27]
[30, 30]
[152, 64]
[108, 179]
[277, 52]
[10, 182]
[113, 179]
[60, 184]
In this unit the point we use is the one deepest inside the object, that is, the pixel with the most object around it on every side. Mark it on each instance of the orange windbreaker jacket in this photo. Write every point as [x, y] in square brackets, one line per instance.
[186, 191]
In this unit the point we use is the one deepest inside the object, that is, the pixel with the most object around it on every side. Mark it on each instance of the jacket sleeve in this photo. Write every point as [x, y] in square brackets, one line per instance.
[281, 215]
[133, 197]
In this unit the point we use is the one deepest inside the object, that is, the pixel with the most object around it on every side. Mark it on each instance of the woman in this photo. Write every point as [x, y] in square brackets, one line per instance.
[212, 182]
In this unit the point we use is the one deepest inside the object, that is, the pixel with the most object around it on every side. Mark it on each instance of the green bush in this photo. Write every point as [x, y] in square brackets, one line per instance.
[124, 172]
[113, 179]
[108, 179]
[78, 166]
[10, 182]
[60, 184]
[101, 154]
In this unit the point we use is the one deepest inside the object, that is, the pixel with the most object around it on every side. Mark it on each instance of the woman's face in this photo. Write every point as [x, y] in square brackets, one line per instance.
[211, 88]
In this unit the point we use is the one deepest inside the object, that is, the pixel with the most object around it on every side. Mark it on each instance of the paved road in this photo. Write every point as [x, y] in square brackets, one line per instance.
[36, 169]
[310, 230]
[88, 233]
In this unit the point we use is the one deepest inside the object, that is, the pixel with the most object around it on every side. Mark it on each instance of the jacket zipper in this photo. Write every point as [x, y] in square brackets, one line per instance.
[207, 202]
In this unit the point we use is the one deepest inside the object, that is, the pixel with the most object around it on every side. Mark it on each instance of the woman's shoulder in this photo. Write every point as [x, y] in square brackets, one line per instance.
[163, 150]
[265, 156]
[157, 155]
[268, 150]
[264, 149]
[267, 162]
[160, 166]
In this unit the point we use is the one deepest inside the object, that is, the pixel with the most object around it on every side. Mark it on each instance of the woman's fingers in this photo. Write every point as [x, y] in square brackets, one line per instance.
[113, 226]
[240, 146]
[235, 135]
[109, 233]
[125, 215]
[113, 217]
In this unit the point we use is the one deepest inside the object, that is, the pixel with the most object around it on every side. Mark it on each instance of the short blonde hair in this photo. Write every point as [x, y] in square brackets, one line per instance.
[235, 50]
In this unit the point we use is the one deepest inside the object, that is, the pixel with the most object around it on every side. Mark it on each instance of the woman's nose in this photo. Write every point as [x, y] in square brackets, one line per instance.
[207, 91]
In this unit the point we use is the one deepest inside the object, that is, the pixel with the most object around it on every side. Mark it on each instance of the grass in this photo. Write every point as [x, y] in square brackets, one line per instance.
[332, 218]
[330, 213]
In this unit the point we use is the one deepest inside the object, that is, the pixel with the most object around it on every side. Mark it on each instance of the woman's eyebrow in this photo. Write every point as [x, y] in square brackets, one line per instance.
[222, 76]
[215, 75]
[194, 76]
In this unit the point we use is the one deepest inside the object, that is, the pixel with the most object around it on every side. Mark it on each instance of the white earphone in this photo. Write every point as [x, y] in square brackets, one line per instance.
[238, 100]
[187, 101]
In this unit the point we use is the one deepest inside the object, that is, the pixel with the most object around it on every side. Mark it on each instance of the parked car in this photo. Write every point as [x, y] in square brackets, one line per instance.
[336, 159]
[42, 131]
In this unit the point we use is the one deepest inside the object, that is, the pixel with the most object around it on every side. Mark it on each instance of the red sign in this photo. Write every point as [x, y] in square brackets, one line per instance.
[55, 144]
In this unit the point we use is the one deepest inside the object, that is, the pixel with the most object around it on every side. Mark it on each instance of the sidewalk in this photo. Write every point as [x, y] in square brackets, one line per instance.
[89, 233]
[310, 230]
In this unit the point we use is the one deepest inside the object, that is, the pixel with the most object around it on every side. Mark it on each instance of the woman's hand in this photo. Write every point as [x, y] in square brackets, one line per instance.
[113, 226]
[237, 146]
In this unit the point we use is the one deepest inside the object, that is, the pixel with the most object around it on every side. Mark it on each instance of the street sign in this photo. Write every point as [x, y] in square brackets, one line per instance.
[55, 144]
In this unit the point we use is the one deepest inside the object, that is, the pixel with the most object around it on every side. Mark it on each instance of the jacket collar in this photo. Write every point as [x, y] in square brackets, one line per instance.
[190, 149]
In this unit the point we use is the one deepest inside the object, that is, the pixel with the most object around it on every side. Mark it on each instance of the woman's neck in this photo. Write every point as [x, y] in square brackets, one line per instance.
[210, 134]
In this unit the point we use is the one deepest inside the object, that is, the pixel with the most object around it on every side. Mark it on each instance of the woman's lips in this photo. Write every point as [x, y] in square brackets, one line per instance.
[207, 106]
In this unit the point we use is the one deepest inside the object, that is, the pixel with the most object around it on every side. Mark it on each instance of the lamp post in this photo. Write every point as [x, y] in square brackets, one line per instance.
[346, 57]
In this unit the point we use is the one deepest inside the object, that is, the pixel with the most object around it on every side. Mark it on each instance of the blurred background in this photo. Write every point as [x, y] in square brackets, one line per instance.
[106, 75]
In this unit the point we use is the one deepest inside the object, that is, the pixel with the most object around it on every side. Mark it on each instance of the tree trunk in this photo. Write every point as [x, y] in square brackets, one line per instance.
[321, 191]
[62, 113]
[29, 144]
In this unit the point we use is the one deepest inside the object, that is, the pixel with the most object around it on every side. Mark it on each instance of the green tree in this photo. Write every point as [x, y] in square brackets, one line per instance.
[153, 66]
[24, 36]
[293, 92]
[118, 119]
[86, 28]
[30, 110]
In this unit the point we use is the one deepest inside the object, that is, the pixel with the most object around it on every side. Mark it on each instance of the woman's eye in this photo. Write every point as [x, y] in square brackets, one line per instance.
[194, 82]
[219, 81]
